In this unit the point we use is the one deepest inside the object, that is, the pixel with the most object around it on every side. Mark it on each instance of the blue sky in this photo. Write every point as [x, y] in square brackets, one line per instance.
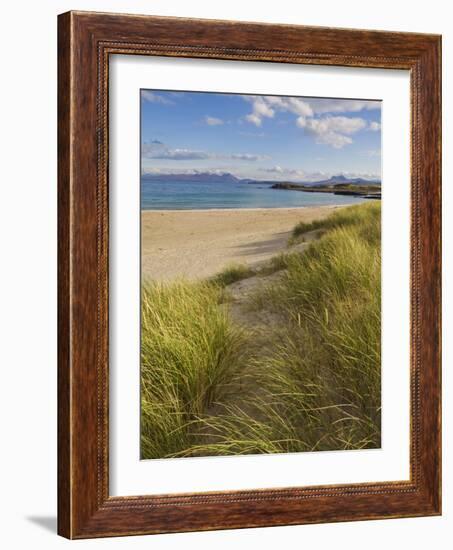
[261, 137]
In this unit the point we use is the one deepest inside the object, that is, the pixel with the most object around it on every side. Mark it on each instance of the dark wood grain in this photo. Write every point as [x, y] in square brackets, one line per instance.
[64, 367]
[85, 42]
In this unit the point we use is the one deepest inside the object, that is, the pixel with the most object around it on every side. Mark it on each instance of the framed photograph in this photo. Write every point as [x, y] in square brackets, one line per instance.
[249, 275]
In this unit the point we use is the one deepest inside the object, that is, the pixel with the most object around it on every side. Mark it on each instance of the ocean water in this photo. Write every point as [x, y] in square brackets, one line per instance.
[184, 195]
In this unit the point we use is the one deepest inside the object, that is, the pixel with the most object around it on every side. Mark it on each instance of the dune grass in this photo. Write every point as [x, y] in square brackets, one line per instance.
[329, 362]
[232, 273]
[190, 353]
[322, 382]
[237, 272]
[342, 217]
[276, 263]
[316, 386]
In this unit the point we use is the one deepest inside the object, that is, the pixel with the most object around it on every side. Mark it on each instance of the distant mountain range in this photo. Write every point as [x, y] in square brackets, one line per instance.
[226, 177]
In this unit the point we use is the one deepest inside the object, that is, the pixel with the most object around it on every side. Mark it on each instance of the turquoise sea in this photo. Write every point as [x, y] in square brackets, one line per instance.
[185, 195]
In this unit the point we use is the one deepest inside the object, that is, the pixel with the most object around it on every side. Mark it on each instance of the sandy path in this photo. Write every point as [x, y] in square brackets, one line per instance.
[199, 243]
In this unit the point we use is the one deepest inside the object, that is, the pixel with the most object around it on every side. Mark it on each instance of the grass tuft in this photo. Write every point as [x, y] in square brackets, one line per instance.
[342, 217]
[232, 273]
[190, 353]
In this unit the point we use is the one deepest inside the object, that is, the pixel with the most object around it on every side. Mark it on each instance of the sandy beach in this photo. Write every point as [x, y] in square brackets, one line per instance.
[200, 243]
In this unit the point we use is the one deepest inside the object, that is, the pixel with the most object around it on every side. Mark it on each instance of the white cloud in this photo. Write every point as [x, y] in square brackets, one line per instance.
[341, 124]
[213, 121]
[332, 130]
[337, 141]
[297, 106]
[262, 109]
[254, 119]
[248, 156]
[152, 170]
[301, 122]
[274, 169]
[157, 150]
[266, 106]
[323, 106]
[154, 98]
[287, 172]
[364, 175]
[180, 154]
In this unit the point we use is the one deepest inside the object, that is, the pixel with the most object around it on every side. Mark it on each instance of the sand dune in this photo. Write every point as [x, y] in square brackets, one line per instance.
[199, 243]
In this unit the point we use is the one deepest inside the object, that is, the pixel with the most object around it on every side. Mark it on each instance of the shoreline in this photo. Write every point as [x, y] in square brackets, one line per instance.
[255, 209]
[197, 244]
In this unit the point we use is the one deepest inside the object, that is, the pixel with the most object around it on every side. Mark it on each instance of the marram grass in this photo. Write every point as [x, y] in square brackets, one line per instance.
[232, 273]
[316, 386]
[190, 353]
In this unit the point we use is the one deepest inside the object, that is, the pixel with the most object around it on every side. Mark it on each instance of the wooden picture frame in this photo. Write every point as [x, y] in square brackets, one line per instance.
[85, 42]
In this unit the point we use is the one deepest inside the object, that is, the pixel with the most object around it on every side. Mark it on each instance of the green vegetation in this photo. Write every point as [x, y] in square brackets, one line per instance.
[238, 272]
[323, 377]
[190, 354]
[277, 263]
[367, 215]
[209, 389]
[232, 273]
